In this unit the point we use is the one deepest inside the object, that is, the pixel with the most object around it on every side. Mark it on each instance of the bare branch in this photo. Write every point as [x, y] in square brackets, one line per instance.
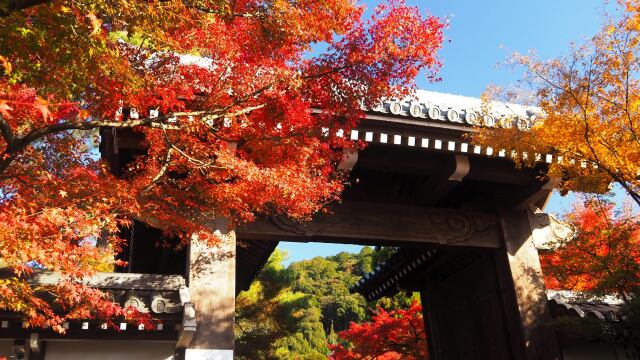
[7, 133]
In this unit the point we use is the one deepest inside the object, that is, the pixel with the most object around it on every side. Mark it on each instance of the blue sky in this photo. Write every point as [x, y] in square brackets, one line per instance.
[481, 35]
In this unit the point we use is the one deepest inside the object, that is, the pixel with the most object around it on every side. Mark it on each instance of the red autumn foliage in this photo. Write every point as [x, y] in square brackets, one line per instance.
[391, 335]
[201, 75]
[603, 258]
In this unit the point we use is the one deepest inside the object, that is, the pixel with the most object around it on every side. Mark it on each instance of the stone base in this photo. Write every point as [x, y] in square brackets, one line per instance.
[208, 354]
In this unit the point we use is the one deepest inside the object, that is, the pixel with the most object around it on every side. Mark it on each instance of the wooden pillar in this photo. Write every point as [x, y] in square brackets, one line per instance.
[212, 280]
[538, 339]
[429, 328]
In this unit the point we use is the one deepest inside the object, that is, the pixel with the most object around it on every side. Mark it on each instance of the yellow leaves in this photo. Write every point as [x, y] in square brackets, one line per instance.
[96, 24]
[62, 193]
[43, 106]
[83, 114]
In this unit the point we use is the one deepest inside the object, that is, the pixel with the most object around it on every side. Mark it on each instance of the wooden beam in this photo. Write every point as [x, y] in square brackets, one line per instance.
[94, 332]
[380, 224]
[501, 171]
[405, 160]
[445, 181]
[535, 194]
[189, 324]
[509, 305]
[105, 280]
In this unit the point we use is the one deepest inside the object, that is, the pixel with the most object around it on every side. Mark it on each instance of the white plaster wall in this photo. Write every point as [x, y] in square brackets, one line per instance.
[5, 347]
[109, 350]
[596, 351]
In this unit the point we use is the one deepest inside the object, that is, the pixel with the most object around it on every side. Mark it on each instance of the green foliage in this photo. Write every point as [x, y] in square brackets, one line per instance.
[294, 312]
[329, 280]
[400, 301]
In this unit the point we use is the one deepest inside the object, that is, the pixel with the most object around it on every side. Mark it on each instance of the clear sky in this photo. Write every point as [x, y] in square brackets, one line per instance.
[481, 34]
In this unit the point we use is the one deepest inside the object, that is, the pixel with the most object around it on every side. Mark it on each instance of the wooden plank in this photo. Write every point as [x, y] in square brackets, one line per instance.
[382, 224]
[105, 280]
[250, 258]
[464, 303]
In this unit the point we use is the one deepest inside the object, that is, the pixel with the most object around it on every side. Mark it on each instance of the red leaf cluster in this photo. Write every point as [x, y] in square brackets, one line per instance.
[603, 258]
[226, 95]
[391, 335]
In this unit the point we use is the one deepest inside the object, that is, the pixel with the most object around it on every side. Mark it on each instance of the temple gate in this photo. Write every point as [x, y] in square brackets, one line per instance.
[461, 213]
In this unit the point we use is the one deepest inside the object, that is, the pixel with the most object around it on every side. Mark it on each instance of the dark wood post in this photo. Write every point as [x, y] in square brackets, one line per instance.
[429, 328]
[212, 287]
[523, 265]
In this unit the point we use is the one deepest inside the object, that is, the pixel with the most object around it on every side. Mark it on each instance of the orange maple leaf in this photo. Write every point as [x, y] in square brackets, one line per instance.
[96, 24]
[4, 109]
[43, 106]
[83, 114]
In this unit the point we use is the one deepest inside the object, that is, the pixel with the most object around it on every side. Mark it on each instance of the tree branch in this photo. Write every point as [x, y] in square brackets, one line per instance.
[7, 133]
[160, 174]
[9, 6]
[20, 144]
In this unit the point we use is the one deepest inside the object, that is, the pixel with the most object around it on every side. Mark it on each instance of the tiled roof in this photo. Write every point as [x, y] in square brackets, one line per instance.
[457, 109]
[165, 297]
[568, 303]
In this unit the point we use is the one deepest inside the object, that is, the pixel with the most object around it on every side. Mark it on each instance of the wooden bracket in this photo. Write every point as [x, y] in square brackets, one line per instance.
[462, 168]
[439, 186]
[349, 160]
[539, 195]
[189, 324]
[185, 297]
[34, 342]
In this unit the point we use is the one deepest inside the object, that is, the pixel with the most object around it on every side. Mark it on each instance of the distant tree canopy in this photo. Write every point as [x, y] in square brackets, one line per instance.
[295, 312]
[390, 335]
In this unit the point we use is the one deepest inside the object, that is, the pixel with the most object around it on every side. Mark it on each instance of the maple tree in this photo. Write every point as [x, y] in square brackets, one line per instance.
[587, 115]
[397, 334]
[601, 259]
[224, 94]
[603, 255]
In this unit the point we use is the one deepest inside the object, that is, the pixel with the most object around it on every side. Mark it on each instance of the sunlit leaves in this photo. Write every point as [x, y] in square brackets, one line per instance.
[587, 105]
[220, 95]
[603, 258]
[391, 335]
